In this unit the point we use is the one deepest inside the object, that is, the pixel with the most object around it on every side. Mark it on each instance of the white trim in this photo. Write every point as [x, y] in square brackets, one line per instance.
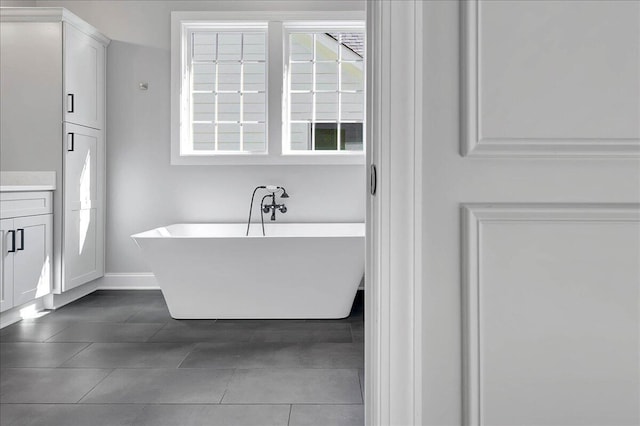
[393, 375]
[274, 155]
[13, 315]
[473, 144]
[55, 301]
[128, 281]
[51, 14]
[473, 217]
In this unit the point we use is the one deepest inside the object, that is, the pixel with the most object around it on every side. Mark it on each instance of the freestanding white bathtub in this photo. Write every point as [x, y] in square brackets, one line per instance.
[296, 271]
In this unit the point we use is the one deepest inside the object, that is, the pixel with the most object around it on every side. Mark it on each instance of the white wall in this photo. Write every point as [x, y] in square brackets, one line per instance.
[17, 3]
[143, 190]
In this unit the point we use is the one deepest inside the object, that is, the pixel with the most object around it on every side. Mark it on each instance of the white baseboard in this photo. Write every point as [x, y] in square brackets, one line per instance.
[21, 312]
[55, 301]
[128, 281]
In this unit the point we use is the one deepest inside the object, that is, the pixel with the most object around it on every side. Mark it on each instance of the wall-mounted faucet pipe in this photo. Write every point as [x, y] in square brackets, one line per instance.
[272, 189]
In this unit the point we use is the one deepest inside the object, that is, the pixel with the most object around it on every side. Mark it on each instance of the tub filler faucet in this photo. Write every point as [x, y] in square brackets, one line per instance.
[271, 207]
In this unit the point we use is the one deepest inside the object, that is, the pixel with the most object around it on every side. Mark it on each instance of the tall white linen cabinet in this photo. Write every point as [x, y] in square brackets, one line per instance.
[52, 109]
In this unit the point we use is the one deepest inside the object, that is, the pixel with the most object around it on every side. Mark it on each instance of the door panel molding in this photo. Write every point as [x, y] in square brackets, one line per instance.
[474, 143]
[474, 245]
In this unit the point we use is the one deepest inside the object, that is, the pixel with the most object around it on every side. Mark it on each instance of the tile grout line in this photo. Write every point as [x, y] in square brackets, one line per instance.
[47, 340]
[193, 347]
[148, 340]
[95, 386]
[226, 388]
[289, 419]
[74, 355]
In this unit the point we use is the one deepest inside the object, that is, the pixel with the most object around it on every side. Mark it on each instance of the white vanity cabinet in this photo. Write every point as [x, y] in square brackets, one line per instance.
[52, 117]
[6, 264]
[27, 247]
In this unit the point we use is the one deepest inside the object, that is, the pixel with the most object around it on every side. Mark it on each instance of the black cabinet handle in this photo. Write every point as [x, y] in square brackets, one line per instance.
[70, 103]
[21, 231]
[13, 241]
[73, 141]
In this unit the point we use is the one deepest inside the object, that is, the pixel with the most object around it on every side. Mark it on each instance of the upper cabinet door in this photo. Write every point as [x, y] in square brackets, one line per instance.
[84, 79]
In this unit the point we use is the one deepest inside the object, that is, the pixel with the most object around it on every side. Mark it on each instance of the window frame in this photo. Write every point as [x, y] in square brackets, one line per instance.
[275, 81]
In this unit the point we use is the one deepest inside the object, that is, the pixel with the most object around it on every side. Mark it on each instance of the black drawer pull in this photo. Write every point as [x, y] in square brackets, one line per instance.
[21, 231]
[70, 103]
[13, 241]
[72, 139]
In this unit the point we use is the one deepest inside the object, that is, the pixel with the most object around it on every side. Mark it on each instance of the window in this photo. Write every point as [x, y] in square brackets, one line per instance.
[278, 91]
[226, 94]
[325, 91]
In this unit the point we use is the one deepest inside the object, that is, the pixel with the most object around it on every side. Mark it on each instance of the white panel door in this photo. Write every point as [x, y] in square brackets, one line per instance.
[84, 60]
[83, 226]
[7, 245]
[530, 306]
[33, 258]
[524, 197]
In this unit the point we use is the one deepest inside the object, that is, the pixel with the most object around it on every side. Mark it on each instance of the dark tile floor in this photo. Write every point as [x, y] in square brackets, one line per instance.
[118, 358]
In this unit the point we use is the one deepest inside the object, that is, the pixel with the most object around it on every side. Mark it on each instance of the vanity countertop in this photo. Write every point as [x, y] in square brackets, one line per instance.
[27, 181]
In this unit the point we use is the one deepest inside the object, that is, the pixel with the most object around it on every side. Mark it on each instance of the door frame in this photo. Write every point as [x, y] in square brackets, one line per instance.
[393, 297]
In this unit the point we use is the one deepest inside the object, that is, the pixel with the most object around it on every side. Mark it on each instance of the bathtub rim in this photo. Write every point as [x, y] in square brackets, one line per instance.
[163, 232]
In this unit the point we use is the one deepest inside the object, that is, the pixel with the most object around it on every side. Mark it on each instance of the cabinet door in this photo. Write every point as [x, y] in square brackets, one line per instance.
[7, 246]
[84, 79]
[32, 260]
[83, 252]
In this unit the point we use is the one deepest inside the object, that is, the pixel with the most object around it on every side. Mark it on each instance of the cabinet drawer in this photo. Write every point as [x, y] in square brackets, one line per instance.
[15, 204]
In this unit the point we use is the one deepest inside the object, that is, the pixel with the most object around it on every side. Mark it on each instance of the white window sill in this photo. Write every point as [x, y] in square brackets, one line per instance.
[294, 159]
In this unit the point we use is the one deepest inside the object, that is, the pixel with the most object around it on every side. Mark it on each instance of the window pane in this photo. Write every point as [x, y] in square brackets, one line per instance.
[352, 46]
[327, 76]
[229, 137]
[254, 47]
[352, 107]
[301, 106]
[326, 106]
[352, 76]
[204, 107]
[229, 77]
[204, 46]
[204, 137]
[229, 46]
[352, 136]
[254, 137]
[300, 136]
[326, 48]
[326, 135]
[301, 47]
[228, 107]
[254, 77]
[302, 76]
[204, 77]
[254, 107]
